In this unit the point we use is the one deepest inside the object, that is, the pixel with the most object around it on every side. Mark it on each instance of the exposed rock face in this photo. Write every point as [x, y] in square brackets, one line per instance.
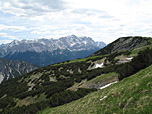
[43, 52]
[72, 43]
[11, 69]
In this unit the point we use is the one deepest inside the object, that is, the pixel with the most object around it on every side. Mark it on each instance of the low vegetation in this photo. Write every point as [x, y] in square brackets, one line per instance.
[129, 96]
[65, 82]
[36, 83]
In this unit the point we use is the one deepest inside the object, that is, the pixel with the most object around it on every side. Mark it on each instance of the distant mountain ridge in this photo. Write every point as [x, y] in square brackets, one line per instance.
[43, 52]
[71, 43]
[11, 69]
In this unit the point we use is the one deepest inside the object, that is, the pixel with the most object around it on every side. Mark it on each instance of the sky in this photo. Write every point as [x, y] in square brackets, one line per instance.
[102, 20]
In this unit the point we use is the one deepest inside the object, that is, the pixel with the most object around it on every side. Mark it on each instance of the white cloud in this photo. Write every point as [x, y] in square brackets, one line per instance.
[5, 41]
[103, 20]
[12, 28]
[32, 7]
[5, 35]
[40, 32]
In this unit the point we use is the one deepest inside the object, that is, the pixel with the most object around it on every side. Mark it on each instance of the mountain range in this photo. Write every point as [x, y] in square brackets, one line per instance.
[10, 69]
[44, 52]
[115, 79]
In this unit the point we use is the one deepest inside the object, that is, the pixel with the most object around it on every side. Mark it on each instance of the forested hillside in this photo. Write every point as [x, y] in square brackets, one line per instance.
[61, 83]
[129, 96]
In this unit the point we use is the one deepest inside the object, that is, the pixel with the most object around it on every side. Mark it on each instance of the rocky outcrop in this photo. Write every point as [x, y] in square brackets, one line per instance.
[11, 69]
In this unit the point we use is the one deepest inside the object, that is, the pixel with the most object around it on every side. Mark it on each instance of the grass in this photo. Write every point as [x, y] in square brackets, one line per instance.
[80, 60]
[85, 59]
[132, 95]
[106, 78]
[30, 100]
[136, 50]
[102, 80]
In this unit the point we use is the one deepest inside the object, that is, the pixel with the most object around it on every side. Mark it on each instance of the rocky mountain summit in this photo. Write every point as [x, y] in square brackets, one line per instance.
[71, 43]
[43, 52]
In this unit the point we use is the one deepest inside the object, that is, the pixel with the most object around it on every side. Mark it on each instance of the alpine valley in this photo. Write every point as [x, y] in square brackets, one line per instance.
[12, 68]
[43, 52]
[116, 79]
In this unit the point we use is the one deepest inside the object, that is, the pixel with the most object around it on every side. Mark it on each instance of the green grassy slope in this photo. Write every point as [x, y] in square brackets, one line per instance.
[129, 96]
[53, 85]
[96, 82]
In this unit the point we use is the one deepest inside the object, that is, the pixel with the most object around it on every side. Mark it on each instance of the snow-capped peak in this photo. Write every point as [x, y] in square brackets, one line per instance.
[71, 42]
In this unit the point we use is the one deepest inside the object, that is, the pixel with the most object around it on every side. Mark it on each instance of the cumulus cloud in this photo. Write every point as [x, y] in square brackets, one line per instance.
[31, 7]
[103, 20]
[92, 12]
[12, 28]
[89, 12]
[5, 35]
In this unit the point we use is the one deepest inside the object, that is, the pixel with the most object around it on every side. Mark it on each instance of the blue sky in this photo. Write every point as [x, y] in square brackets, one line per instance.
[103, 20]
